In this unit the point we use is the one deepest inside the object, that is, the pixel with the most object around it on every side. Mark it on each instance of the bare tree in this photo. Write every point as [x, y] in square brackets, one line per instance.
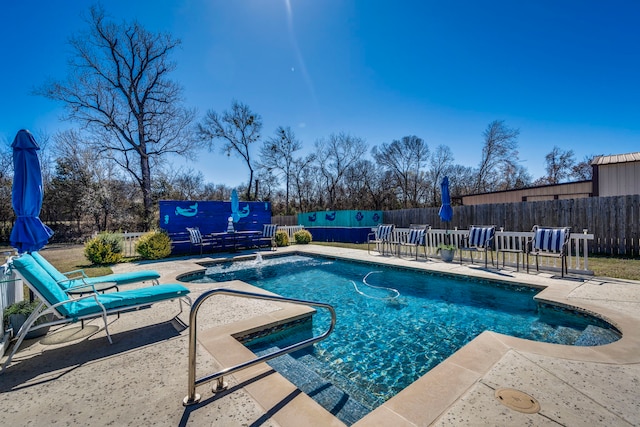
[500, 144]
[440, 164]
[583, 171]
[83, 188]
[118, 90]
[302, 182]
[7, 214]
[277, 153]
[181, 184]
[559, 164]
[513, 175]
[405, 158]
[238, 129]
[334, 156]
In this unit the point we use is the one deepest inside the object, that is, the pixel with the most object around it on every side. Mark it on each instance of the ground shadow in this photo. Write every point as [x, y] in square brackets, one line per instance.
[24, 372]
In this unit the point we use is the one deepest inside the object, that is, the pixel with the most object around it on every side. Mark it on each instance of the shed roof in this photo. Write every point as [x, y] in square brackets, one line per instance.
[616, 158]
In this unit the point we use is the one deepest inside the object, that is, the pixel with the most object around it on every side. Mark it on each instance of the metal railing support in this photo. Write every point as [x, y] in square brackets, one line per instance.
[192, 397]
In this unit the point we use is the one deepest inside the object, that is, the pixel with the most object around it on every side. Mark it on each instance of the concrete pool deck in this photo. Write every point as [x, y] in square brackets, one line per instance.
[72, 376]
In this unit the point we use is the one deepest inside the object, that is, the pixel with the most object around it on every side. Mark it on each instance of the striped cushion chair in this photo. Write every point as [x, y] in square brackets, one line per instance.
[381, 237]
[268, 237]
[550, 242]
[480, 239]
[197, 239]
[415, 239]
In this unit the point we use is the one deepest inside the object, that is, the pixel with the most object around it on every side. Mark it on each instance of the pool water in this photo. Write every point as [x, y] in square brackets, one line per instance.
[394, 325]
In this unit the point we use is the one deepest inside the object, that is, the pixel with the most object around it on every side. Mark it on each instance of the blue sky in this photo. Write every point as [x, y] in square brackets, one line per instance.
[565, 73]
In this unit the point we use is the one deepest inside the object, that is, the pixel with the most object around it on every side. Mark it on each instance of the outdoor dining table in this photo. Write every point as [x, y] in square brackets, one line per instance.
[237, 238]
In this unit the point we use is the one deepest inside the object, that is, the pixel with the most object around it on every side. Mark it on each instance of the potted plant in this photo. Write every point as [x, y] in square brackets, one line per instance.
[447, 252]
[17, 313]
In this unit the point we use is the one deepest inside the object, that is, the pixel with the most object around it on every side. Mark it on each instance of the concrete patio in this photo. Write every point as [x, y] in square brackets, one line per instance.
[72, 376]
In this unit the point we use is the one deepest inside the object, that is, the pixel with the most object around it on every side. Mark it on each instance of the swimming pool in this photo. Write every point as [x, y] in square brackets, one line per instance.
[394, 325]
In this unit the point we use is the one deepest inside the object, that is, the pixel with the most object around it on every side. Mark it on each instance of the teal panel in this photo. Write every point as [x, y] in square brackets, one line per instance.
[351, 218]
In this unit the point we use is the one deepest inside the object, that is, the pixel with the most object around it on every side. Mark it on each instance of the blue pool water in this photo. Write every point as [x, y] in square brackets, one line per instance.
[393, 325]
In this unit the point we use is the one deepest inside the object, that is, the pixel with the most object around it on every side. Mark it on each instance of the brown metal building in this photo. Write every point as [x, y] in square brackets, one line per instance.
[617, 175]
[614, 175]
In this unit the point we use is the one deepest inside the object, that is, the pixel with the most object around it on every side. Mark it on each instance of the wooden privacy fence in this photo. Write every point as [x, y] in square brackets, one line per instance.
[614, 222]
[285, 219]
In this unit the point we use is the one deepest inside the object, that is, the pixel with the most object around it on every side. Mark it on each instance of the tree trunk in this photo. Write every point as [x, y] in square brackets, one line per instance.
[146, 192]
[250, 184]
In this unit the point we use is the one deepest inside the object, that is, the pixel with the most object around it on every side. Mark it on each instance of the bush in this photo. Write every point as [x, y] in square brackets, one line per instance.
[154, 245]
[302, 237]
[105, 248]
[282, 238]
[24, 308]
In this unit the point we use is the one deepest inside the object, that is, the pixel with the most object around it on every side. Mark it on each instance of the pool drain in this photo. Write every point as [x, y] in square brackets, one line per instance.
[517, 400]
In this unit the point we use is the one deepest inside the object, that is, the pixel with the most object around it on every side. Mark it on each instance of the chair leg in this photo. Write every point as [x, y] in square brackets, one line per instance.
[22, 333]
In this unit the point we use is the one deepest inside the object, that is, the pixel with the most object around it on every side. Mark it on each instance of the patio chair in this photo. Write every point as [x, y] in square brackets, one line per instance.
[415, 239]
[381, 237]
[480, 239]
[550, 242]
[75, 278]
[196, 238]
[268, 237]
[65, 309]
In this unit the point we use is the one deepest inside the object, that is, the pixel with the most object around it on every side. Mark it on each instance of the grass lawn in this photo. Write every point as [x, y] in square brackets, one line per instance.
[71, 257]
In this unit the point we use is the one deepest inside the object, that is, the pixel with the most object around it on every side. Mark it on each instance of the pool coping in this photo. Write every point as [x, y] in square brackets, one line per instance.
[424, 401]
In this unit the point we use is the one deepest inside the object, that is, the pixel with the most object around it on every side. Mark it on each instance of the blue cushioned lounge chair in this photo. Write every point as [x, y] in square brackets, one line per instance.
[550, 242]
[54, 300]
[77, 278]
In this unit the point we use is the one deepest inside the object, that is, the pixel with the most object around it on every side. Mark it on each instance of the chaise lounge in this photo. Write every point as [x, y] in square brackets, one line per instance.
[57, 301]
[76, 278]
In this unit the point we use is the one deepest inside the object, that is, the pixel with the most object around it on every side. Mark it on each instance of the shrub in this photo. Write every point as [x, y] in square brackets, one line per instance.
[105, 248]
[24, 308]
[154, 245]
[302, 237]
[282, 238]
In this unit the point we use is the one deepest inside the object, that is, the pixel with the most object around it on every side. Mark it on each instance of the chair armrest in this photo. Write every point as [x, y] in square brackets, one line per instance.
[76, 272]
[82, 285]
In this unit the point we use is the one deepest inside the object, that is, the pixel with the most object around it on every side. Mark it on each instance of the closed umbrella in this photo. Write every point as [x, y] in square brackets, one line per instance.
[446, 212]
[28, 233]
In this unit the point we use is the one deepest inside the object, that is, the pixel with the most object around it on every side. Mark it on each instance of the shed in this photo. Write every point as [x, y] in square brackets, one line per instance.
[616, 175]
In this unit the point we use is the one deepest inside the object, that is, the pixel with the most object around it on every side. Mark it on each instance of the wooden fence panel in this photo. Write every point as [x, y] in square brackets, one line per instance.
[614, 221]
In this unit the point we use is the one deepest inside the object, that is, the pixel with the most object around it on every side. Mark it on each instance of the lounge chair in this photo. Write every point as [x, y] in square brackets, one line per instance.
[415, 239]
[480, 239]
[550, 242]
[268, 237]
[381, 237]
[76, 278]
[54, 300]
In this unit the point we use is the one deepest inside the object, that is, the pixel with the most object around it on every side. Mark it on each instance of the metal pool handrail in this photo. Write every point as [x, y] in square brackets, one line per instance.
[192, 397]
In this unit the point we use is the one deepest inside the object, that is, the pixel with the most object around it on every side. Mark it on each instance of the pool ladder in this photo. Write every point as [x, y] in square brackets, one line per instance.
[193, 398]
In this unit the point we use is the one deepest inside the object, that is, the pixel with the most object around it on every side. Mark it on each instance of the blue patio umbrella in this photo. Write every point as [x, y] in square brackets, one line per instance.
[28, 233]
[446, 212]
